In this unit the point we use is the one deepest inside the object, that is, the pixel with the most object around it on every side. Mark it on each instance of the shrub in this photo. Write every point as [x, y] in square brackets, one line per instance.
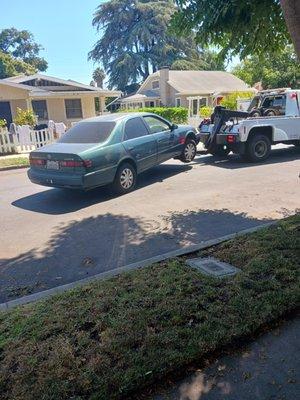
[205, 112]
[3, 123]
[230, 101]
[25, 117]
[177, 115]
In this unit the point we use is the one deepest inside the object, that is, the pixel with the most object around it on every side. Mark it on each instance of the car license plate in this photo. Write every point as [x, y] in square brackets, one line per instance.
[52, 164]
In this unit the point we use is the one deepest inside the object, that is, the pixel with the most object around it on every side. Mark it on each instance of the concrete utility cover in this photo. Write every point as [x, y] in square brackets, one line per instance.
[212, 266]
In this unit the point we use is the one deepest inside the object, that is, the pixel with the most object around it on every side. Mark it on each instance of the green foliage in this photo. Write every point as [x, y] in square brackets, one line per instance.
[230, 101]
[135, 40]
[25, 117]
[10, 66]
[177, 115]
[3, 123]
[205, 112]
[204, 60]
[278, 70]
[241, 27]
[21, 46]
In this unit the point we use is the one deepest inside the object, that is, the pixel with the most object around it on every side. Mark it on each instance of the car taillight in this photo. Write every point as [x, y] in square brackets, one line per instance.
[37, 161]
[230, 138]
[87, 163]
[75, 163]
[71, 163]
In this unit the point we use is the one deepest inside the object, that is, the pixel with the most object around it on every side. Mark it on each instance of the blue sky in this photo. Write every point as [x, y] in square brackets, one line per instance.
[63, 28]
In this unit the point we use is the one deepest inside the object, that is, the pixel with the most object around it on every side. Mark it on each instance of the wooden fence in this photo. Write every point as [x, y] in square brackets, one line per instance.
[13, 143]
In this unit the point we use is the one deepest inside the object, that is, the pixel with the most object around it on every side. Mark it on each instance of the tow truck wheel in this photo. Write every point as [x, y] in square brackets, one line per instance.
[220, 151]
[258, 148]
[189, 151]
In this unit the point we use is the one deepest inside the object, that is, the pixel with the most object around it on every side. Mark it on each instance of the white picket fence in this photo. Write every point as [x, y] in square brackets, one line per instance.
[11, 143]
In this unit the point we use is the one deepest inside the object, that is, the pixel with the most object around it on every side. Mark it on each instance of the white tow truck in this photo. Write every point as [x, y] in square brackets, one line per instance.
[252, 137]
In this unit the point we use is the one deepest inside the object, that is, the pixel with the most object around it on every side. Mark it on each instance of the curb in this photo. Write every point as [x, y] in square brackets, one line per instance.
[140, 264]
[8, 168]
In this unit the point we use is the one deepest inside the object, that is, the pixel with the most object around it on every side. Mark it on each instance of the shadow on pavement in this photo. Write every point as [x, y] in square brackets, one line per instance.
[105, 242]
[57, 201]
[233, 161]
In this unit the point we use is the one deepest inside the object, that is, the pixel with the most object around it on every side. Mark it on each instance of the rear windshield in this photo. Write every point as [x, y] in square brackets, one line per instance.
[88, 132]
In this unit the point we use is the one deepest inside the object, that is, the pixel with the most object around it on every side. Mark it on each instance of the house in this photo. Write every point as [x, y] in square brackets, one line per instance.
[51, 98]
[190, 89]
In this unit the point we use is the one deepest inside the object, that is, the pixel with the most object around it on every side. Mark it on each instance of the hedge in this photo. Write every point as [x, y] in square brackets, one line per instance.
[178, 115]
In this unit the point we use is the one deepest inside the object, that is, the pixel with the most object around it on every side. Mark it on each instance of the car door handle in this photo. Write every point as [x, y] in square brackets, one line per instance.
[130, 148]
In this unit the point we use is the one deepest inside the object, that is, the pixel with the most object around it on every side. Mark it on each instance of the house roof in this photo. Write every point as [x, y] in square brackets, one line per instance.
[20, 79]
[15, 85]
[201, 82]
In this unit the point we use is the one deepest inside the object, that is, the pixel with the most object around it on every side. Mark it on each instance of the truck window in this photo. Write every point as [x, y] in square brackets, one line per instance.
[279, 101]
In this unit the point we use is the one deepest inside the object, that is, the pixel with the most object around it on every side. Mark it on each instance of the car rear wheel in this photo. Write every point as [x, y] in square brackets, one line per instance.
[189, 151]
[258, 148]
[125, 179]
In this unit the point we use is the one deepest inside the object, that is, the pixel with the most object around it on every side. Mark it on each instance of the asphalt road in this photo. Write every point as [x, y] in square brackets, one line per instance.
[50, 237]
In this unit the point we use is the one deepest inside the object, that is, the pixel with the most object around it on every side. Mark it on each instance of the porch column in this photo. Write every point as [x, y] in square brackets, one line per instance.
[101, 105]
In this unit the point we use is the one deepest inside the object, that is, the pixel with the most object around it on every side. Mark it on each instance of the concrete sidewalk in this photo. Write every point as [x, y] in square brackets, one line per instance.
[266, 369]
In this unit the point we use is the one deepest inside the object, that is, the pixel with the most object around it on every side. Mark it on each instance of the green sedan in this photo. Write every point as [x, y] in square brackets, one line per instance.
[111, 149]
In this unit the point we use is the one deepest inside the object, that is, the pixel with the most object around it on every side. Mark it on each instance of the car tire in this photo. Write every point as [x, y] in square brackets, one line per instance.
[269, 113]
[220, 151]
[125, 179]
[258, 148]
[189, 151]
[255, 114]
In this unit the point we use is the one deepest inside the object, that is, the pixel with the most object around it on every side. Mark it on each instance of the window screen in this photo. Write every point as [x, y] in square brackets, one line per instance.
[73, 108]
[88, 132]
[40, 108]
[135, 128]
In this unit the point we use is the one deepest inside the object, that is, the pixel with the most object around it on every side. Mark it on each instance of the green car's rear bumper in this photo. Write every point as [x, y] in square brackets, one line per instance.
[71, 181]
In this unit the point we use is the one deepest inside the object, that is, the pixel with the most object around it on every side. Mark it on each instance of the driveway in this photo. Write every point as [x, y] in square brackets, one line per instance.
[50, 237]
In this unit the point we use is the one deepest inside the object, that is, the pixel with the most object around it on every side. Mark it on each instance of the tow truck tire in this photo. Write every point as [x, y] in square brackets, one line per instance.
[258, 148]
[189, 151]
[220, 151]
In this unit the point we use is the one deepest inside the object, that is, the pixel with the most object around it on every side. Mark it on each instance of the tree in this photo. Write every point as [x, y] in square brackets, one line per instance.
[135, 40]
[99, 76]
[205, 60]
[10, 66]
[21, 46]
[291, 12]
[280, 70]
[243, 27]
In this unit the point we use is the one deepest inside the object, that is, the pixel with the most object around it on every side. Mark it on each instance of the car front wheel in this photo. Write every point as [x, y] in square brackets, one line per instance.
[125, 179]
[189, 151]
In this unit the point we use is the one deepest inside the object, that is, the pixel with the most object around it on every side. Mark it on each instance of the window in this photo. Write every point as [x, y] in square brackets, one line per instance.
[135, 128]
[73, 108]
[156, 125]
[178, 102]
[88, 132]
[279, 101]
[155, 85]
[40, 108]
[203, 102]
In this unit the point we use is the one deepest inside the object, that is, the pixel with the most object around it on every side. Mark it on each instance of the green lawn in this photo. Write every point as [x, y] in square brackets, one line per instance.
[13, 162]
[110, 338]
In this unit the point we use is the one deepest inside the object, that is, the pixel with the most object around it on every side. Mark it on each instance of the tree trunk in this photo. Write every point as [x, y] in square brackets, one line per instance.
[291, 12]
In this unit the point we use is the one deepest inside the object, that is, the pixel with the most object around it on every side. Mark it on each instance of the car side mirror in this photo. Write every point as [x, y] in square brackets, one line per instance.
[173, 127]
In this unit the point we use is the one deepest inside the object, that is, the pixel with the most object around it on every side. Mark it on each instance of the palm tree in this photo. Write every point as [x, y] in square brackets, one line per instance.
[99, 76]
[291, 12]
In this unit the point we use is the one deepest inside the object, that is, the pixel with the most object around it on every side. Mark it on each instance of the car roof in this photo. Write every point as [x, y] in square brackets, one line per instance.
[115, 117]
